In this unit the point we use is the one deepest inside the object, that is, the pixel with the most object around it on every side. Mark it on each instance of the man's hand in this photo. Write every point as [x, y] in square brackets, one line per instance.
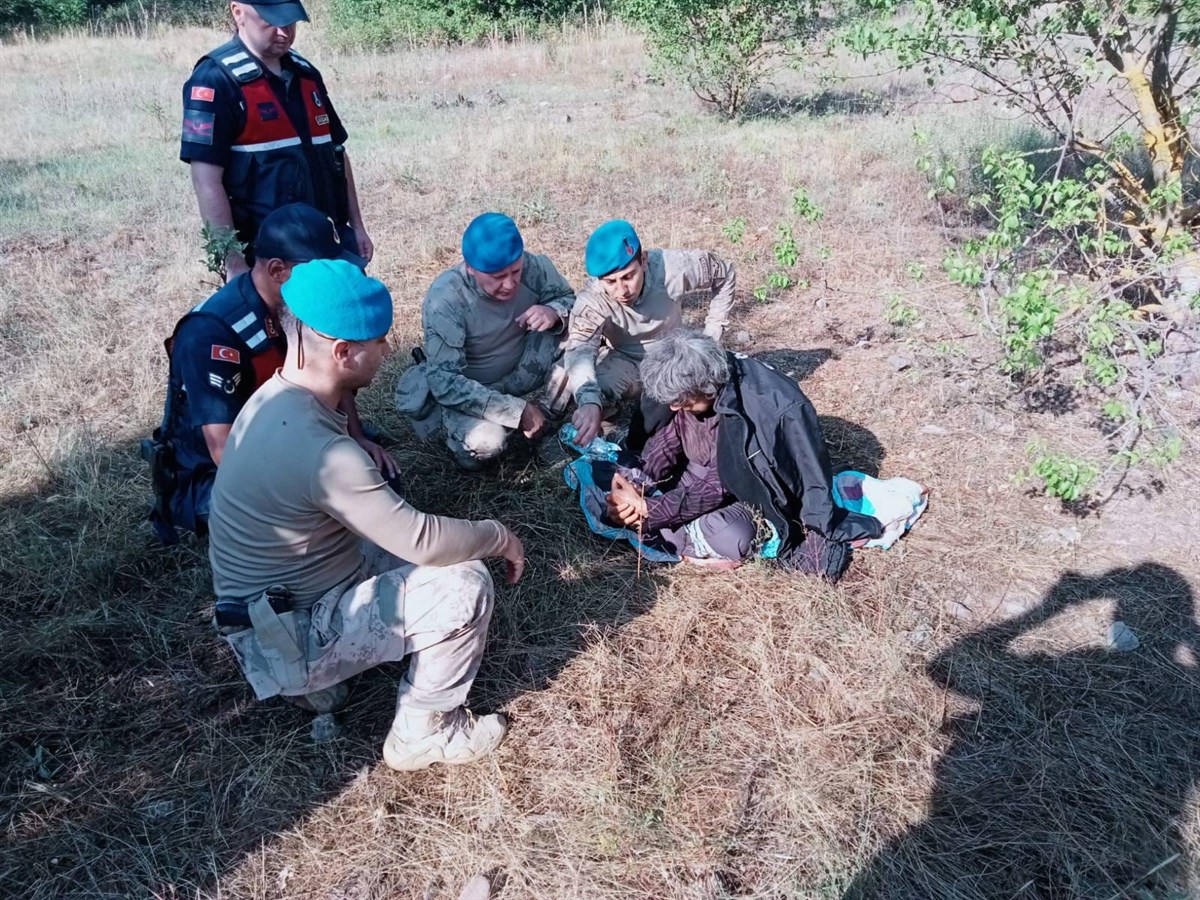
[539, 318]
[514, 558]
[366, 247]
[380, 457]
[626, 504]
[532, 421]
[587, 423]
[235, 265]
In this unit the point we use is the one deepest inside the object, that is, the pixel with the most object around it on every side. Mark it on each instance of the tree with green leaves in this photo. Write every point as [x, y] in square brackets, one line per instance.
[1070, 66]
[1092, 244]
[723, 51]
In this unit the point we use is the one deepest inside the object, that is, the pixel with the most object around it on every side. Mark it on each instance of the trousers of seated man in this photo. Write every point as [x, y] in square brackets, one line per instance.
[726, 533]
[618, 379]
[474, 441]
[437, 616]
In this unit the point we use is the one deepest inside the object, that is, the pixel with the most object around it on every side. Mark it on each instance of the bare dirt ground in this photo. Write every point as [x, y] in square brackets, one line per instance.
[947, 722]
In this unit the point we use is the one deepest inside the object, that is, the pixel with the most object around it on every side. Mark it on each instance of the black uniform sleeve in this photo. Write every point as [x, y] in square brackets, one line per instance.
[213, 372]
[212, 116]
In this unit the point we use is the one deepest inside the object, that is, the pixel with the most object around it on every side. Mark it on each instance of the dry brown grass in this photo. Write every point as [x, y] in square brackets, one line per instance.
[677, 736]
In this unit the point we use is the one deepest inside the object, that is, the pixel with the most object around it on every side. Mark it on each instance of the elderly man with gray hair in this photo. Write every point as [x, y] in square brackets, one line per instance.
[743, 438]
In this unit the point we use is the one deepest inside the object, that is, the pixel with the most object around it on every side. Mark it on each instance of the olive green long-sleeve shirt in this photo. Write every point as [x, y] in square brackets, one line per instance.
[628, 329]
[473, 342]
[295, 496]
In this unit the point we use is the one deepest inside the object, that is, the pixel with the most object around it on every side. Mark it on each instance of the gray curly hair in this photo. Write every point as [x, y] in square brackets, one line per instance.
[685, 365]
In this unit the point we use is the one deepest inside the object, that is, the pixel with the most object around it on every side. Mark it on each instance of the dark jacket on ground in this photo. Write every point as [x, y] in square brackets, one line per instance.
[771, 454]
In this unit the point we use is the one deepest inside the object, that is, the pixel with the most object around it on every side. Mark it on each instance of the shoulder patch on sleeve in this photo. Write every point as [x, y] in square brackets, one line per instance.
[225, 354]
[227, 385]
[198, 126]
[203, 94]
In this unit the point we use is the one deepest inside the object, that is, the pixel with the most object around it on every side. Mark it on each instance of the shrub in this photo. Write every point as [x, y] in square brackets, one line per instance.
[722, 51]
[39, 14]
[382, 23]
[47, 15]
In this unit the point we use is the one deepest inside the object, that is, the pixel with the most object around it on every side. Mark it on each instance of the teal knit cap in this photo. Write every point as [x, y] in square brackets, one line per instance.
[612, 246]
[339, 300]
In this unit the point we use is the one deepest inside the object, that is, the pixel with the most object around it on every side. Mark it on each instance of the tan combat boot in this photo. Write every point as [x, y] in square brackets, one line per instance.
[418, 740]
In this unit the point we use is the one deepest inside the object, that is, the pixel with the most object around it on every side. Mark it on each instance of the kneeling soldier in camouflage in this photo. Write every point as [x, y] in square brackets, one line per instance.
[635, 298]
[493, 334]
[321, 571]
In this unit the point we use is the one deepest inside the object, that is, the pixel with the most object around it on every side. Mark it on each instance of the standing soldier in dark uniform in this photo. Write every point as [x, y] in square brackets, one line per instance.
[221, 352]
[259, 131]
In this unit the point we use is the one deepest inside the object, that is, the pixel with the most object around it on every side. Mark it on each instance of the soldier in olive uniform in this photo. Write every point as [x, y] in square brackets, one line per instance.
[493, 331]
[634, 298]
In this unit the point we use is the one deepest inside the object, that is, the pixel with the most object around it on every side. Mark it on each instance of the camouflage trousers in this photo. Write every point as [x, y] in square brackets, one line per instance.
[618, 377]
[474, 441]
[436, 615]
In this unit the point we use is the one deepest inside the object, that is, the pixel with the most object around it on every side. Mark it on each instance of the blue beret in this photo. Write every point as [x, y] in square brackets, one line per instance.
[612, 246]
[492, 242]
[338, 299]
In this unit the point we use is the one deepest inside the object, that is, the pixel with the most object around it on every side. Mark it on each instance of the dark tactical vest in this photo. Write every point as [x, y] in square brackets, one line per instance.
[276, 161]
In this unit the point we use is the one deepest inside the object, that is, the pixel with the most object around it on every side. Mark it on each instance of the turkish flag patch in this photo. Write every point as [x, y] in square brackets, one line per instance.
[208, 95]
[226, 354]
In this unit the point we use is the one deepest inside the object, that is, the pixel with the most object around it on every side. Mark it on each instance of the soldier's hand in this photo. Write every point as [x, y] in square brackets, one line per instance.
[532, 421]
[587, 423]
[382, 459]
[366, 247]
[514, 558]
[538, 318]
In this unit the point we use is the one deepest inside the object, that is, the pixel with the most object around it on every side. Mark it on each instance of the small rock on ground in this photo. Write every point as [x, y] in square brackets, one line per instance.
[1066, 537]
[920, 635]
[324, 728]
[958, 609]
[478, 888]
[899, 363]
[1121, 637]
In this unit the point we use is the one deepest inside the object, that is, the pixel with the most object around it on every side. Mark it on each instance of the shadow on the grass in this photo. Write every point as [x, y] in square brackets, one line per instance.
[851, 446]
[834, 102]
[796, 364]
[135, 760]
[1073, 778]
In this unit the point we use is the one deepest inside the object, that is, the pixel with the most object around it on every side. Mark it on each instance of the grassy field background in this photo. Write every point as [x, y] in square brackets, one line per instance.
[925, 729]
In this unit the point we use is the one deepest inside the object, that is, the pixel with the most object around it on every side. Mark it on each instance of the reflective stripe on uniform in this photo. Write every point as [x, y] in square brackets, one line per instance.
[244, 322]
[248, 67]
[236, 57]
[322, 139]
[257, 339]
[266, 145]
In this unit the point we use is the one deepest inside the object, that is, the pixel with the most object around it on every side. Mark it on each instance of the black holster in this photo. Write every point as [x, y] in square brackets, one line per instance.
[164, 479]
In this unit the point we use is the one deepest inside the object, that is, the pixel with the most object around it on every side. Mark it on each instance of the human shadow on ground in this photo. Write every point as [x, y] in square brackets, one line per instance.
[1073, 778]
[134, 759]
[851, 446]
